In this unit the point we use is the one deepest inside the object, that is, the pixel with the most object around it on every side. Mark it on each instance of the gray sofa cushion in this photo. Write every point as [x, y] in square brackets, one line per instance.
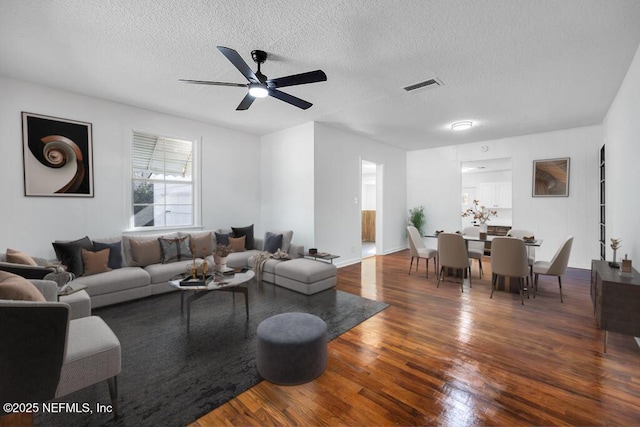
[164, 272]
[115, 280]
[306, 270]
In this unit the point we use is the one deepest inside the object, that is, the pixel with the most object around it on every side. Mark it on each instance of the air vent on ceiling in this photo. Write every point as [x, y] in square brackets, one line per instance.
[427, 84]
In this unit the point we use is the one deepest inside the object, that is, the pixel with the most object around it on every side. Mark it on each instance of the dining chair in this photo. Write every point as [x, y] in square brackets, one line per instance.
[531, 250]
[509, 259]
[452, 253]
[475, 249]
[556, 267]
[419, 250]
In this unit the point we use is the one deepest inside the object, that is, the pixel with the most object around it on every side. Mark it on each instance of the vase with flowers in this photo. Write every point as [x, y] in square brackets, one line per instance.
[480, 214]
[220, 256]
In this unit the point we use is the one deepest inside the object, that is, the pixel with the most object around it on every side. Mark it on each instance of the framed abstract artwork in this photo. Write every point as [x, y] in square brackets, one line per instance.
[57, 155]
[551, 178]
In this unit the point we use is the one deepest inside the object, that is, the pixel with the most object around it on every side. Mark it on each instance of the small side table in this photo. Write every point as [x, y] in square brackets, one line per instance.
[320, 256]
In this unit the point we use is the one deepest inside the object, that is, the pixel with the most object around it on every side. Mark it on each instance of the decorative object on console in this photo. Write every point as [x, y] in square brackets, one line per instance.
[615, 245]
[57, 155]
[313, 251]
[551, 178]
[626, 270]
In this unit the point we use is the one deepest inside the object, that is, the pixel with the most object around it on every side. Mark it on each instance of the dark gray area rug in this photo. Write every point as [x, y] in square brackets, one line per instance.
[170, 378]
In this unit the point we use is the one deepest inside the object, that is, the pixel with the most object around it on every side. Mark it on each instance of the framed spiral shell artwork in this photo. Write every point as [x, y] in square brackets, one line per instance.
[58, 158]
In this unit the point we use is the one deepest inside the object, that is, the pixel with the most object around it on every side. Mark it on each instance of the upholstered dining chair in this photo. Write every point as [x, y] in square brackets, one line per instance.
[509, 259]
[556, 267]
[475, 249]
[452, 253]
[419, 250]
[531, 250]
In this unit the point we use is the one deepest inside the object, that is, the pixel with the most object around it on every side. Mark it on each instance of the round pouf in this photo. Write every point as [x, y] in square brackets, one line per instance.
[292, 348]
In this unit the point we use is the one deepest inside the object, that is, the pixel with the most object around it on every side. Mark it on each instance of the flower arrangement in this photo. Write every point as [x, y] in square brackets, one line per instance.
[417, 218]
[222, 250]
[479, 212]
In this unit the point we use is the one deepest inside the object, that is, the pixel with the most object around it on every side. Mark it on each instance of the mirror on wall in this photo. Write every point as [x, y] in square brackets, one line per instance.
[490, 182]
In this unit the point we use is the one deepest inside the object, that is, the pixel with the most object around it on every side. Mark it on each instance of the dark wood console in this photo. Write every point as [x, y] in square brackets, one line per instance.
[616, 300]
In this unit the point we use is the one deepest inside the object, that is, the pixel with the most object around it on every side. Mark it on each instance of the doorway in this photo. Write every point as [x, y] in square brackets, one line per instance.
[369, 205]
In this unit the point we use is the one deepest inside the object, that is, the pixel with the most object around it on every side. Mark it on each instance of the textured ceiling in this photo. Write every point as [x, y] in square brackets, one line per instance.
[512, 66]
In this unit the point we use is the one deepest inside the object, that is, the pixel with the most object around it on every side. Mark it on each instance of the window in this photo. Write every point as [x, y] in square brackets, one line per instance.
[163, 190]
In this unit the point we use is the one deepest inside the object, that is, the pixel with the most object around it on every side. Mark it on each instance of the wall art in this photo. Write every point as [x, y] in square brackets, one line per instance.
[551, 178]
[58, 158]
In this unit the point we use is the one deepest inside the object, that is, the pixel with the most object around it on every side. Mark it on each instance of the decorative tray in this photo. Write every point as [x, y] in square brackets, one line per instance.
[197, 281]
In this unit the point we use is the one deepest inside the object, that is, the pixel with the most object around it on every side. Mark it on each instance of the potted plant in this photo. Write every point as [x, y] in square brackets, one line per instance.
[417, 218]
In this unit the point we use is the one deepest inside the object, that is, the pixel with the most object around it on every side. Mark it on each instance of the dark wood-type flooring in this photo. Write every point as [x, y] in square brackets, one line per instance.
[441, 357]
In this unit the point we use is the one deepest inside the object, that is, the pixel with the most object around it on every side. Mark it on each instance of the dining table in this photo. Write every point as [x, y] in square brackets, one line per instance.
[503, 283]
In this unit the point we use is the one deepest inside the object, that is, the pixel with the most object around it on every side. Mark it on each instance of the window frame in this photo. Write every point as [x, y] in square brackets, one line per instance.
[195, 182]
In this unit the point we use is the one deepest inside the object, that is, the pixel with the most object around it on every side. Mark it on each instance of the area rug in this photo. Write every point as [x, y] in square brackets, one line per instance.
[172, 378]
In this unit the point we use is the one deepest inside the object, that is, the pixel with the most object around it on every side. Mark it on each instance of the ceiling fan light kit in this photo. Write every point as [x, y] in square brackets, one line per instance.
[259, 85]
[464, 125]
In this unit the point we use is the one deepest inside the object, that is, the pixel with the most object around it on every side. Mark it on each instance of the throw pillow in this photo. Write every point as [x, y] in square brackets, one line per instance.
[201, 245]
[69, 254]
[145, 252]
[222, 239]
[272, 242]
[14, 287]
[237, 243]
[248, 233]
[18, 257]
[174, 249]
[95, 262]
[115, 253]
[287, 236]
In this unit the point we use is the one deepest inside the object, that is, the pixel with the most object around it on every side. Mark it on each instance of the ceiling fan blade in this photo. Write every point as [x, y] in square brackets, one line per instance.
[246, 102]
[300, 79]
[207, 82]
[290, 99]
[239, 63]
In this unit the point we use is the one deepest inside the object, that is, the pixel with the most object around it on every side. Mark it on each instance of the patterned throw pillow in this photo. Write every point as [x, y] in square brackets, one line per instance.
[175, 249]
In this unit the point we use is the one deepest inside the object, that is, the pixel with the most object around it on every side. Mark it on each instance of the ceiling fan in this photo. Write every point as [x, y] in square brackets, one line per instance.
[259, 85]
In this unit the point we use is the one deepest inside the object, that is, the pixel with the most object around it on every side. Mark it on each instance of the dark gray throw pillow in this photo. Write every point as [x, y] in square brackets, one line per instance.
[272, 242]
[69, 253]
[249, 242]
[115, 253]
[222, 239]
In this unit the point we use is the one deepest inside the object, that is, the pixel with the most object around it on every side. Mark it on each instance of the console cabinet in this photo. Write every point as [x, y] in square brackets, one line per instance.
[616, 300]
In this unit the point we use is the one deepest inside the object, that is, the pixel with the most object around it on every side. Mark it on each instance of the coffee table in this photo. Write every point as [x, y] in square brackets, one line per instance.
[224, 284]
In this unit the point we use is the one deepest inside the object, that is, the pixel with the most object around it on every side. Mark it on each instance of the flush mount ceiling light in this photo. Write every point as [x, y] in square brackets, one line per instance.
[464, 125]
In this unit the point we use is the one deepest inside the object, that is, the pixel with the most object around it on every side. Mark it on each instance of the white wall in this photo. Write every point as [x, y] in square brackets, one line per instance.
[433, 180]
[338, 156]
[230, 170]
[621, 130]
[287, 179]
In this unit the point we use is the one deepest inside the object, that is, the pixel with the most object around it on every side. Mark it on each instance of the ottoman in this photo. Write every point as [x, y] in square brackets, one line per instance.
[305, 276]
[292, 348]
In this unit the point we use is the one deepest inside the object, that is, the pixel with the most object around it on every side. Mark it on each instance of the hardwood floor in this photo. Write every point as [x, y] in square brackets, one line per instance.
[437, 356]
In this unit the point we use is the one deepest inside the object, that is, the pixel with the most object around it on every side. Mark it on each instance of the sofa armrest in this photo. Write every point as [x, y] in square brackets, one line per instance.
[48, 288]
[26, 271]
[296, 250]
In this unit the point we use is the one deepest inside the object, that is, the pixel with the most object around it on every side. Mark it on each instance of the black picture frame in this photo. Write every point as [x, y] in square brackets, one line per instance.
[551, 177]
[57, 156]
